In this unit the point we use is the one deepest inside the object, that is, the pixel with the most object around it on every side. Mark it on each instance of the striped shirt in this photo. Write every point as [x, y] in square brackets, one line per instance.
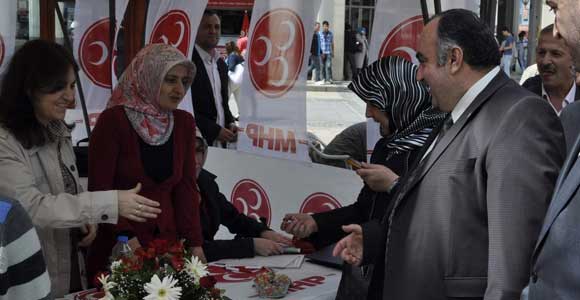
[23, 273]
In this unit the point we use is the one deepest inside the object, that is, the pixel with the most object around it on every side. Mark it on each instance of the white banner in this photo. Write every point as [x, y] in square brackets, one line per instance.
[175, 22]
[273, 102]
[396, 29]
[7, 32]
[91, 47]
[264, 187]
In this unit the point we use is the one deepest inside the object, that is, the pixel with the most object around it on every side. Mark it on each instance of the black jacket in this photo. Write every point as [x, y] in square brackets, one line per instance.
[369, 205]
[534, 85]
[204, 102]
[216, 210]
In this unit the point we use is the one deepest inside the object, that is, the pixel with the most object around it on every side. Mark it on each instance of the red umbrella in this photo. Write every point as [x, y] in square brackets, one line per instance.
[245, 24]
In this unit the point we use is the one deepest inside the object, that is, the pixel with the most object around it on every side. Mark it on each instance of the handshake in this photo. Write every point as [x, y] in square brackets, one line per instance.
[299, 225]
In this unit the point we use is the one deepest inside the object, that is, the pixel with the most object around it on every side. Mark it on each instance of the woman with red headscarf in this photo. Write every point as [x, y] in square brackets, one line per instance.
[143, 138]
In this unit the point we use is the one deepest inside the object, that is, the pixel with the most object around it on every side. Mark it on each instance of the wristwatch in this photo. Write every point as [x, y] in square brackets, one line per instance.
[393, 185]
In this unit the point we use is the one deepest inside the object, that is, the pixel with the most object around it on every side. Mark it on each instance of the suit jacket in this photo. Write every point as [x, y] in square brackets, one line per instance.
[534, 85]
[217, 210]
[204, 101]
[369, 205]
[555, 274]
[569, 117]
[465, 221]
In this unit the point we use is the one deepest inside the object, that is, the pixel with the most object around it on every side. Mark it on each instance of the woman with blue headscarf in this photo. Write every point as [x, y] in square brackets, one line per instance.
[402, 106]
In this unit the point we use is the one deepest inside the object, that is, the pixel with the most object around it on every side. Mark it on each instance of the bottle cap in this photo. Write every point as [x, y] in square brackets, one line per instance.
[123, 238]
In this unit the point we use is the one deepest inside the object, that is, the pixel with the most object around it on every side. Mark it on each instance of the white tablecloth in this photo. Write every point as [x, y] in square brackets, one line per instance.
[310, 282]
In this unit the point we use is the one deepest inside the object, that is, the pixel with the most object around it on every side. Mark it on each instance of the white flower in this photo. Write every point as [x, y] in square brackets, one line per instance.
[195, 268]
[107, 286]
[162, 290]
[116, 264]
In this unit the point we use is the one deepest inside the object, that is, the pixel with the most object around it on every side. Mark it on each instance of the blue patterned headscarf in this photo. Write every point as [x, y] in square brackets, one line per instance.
[391, 85]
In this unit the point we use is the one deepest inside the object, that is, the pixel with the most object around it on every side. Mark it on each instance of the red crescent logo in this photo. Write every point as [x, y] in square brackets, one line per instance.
[174, 29]
[403, 40]
[251, 200]
[94, 53]
[276, 52]
[319, 202]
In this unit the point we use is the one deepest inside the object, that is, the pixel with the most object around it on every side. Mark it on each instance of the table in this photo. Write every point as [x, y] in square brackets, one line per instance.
[310, 282]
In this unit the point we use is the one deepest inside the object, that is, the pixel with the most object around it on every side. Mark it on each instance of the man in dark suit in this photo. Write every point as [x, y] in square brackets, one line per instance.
[464, 222]
[209, 90]
[555, 273]
[557, 80]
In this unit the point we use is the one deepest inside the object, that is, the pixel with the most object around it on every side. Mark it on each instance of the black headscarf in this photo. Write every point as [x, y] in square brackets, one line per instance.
[391, 85]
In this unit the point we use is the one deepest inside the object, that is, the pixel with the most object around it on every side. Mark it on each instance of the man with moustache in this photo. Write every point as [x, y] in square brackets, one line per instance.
[464, 222]
[209, 90]
[554, 270]
[556, 81]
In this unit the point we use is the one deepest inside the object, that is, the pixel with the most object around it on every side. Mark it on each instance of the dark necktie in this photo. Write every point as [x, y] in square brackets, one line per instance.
[447, 123]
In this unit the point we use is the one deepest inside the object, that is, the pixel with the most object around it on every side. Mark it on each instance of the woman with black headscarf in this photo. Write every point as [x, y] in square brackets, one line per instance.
[402, 106]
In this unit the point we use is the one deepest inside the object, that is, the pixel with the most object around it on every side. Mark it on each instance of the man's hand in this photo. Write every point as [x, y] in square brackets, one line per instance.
[90, 232]
[266, 247]
[299, 225]
[350, 248]
[234, 129]
[378, 177]
[276, 237]
[225, 135]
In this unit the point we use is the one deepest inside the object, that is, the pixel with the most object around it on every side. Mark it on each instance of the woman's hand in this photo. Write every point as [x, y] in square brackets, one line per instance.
[266, 247]
[198, 251]
[378, 177]
[276, 237]
[90, 232]
[137, 208]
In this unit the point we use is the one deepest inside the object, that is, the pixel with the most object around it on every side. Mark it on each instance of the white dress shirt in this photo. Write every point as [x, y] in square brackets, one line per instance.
[467, 99]
[211, 67]
[567, 100]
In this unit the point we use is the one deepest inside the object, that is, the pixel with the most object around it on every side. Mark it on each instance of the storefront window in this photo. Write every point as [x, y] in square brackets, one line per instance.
[28, 21]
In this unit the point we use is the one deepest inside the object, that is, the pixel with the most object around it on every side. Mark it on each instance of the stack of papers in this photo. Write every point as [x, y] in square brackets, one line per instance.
[275, 261]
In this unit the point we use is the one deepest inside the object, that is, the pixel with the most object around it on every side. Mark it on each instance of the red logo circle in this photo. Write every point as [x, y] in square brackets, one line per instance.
[403, 40]
[251, 200]
[277, 52]
[319, 202]
[94, 53]
[1, 50]
[174, 29]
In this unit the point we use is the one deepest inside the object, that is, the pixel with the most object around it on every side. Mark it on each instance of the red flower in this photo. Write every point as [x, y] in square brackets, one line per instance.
[160, 246]
[207, 282]
[216, 293]
[144, 254]
[177, 262]
[176, 248]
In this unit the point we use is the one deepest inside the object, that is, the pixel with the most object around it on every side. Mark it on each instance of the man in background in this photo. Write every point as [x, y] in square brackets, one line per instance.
[209, 91]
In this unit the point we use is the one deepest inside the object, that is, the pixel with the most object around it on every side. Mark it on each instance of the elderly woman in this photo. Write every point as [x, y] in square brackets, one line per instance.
[402, 106]
[143, 137]
[37, 163]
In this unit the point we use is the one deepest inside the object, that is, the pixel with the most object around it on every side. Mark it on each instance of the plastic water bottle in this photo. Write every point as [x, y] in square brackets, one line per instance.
[122, 248]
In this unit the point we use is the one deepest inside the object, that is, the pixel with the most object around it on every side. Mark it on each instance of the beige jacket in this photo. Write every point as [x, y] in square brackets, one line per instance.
[34, 178]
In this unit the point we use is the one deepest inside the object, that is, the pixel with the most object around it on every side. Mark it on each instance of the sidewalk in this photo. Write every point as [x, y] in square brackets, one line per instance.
[336, 86]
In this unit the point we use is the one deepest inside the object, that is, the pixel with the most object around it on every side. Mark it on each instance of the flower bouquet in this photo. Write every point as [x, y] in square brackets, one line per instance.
[164, 271]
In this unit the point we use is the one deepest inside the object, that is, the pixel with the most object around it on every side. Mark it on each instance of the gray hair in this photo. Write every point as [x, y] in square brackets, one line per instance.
[443, 47]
